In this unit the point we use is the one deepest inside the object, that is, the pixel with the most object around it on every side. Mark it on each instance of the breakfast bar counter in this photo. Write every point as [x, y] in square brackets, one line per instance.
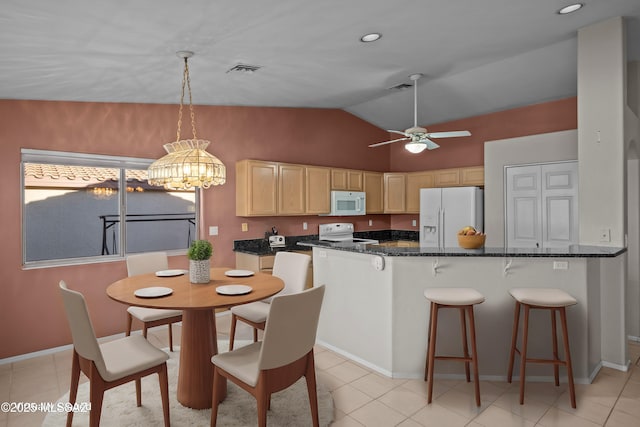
[375, 313]
[574, 251]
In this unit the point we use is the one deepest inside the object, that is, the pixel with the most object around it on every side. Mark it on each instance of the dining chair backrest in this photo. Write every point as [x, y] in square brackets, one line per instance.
[292, 268]
[291, 328]
[145, 263]
[82, 332]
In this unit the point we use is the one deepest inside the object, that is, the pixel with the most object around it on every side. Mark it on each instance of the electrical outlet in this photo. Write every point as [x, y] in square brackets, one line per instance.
[370, 222]
[304, 226]
[213, 230]
[245, 226]
[560, 265]
[414, 223]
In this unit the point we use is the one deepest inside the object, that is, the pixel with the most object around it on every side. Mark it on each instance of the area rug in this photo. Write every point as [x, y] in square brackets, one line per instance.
[289, 407]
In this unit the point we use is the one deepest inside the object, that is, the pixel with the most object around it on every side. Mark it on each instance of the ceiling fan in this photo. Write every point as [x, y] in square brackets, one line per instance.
[418, 137]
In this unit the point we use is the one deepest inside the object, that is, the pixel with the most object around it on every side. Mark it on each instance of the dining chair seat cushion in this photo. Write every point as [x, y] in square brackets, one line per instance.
[129, 355]
[242, 362]
[453, 296]
[152, 314]
[256, 312]
[544, 297]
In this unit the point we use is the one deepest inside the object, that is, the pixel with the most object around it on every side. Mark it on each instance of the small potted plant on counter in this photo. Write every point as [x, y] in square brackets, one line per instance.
[199, 254]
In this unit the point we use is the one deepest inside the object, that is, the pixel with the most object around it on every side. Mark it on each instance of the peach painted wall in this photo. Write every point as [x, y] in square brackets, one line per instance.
[469, 151]
[31, 312]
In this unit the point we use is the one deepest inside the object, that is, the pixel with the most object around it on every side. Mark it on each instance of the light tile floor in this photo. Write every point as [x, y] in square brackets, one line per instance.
[365, 398]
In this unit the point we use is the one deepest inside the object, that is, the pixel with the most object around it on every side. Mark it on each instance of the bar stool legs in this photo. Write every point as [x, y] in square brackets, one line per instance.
[555, 301]
[462, 299]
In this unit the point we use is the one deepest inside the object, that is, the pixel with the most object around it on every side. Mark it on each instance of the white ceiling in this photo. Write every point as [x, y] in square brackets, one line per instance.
[477, 56]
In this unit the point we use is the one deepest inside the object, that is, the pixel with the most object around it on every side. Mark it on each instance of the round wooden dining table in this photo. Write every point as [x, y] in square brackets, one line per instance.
[197, 302]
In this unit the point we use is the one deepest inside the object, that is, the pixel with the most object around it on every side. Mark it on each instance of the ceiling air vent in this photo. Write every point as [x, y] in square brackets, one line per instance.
[244, 68]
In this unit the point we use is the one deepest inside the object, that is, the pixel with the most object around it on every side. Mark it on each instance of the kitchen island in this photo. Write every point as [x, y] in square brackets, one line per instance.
[374, 311]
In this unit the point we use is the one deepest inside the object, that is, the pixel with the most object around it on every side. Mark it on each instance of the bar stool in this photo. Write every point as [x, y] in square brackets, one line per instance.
[463, 299]
[554, 300]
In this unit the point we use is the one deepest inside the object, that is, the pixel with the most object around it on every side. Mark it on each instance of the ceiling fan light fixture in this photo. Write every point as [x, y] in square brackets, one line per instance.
[371, 37]
[570, 8]
[415, 147]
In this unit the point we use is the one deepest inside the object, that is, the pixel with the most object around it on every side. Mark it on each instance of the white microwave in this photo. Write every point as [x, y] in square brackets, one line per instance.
[346, 203]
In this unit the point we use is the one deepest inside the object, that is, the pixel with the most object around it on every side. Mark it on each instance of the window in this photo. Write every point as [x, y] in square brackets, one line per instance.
[74, 206]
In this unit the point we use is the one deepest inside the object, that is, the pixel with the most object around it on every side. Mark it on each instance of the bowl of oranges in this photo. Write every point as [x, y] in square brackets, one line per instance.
[470, 238]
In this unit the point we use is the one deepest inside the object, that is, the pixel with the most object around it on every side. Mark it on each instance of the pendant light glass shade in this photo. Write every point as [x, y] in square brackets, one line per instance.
[187, 164]
[415, 147]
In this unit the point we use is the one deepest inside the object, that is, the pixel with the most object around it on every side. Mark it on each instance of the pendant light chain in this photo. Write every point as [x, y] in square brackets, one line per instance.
[193, 116]
[187, 163]
[186, 80]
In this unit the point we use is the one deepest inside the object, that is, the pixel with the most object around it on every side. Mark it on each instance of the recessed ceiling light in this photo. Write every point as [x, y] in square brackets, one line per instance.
[570, 8]
[371, 37]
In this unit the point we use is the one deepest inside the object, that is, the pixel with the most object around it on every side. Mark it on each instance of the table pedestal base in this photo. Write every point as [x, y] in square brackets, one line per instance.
[199, 343]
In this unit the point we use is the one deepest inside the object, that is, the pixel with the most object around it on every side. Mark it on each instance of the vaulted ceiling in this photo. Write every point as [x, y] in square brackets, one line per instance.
[476, 56]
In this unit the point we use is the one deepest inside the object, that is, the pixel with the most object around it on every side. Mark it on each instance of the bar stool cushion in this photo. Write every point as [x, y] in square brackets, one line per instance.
[453, 296]
[544, 297]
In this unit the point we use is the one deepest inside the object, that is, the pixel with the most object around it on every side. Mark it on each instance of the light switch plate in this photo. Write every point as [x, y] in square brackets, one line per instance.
[213, 230]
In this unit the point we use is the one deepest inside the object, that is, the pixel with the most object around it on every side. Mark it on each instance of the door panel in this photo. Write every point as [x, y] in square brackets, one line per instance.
[523, 207]
[560, 204]
[526, 215]
[542, 205]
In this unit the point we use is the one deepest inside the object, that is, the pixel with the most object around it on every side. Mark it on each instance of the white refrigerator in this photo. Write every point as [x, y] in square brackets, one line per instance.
[444, 211]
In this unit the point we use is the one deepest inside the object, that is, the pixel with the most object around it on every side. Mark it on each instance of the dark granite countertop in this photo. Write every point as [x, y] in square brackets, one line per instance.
[261, 246]
[574, 251]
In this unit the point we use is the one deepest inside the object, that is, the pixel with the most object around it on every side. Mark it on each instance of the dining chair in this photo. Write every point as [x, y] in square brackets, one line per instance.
[283, 356]
[110, 364]
[292, 268]
[145, 263]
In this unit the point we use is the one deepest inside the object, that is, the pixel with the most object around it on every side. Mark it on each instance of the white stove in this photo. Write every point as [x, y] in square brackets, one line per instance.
[340, 232]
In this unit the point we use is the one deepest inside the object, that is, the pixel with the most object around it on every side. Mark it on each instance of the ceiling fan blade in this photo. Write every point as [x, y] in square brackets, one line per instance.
[388, 142]
[398, 132]
[430, 144]
[450, 134]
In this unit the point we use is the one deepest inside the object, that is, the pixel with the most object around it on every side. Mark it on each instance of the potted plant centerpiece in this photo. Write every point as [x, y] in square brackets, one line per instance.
[199, 253]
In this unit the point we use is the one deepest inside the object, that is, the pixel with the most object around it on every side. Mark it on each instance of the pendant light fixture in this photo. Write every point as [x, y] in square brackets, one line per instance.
[187, 164]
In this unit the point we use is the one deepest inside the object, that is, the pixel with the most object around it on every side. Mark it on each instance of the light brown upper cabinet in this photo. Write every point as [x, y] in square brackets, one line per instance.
[472, 176]
[291, 189]
[346, 179]
[317, 186]
[272, 188]
[395, 192]
[416, 181]
[374, 188]
[256, 188]
[447, 177]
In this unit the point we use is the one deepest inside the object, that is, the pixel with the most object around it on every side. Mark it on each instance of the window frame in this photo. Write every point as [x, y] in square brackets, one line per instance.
[122, 163]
